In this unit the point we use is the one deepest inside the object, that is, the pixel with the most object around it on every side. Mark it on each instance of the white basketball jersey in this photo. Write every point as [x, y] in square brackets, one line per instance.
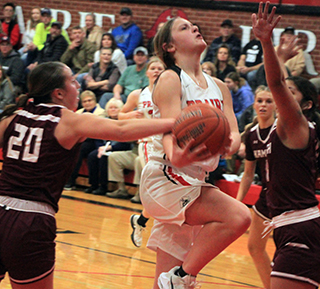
[191, 93]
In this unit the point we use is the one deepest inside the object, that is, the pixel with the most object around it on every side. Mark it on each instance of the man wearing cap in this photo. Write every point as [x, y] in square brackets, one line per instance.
[227, 37]
[10, 26]
[134, 77]
[128, 35]
[297, 63]
[53, 48]
[11, 63]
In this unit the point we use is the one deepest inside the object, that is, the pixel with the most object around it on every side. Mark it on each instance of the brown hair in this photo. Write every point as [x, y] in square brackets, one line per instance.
[235, 77]
[230, 61]
[42, 81]
[161, 41]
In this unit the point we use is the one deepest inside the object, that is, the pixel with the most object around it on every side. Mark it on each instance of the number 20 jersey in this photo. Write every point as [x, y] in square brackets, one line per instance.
[35, 166]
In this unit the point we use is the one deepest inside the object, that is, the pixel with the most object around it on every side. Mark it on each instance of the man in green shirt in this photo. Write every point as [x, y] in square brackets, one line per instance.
[134, 77]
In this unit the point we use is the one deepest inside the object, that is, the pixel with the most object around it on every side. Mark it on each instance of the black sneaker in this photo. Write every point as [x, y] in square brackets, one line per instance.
[99, 192]
[69, 187]
[89, 190]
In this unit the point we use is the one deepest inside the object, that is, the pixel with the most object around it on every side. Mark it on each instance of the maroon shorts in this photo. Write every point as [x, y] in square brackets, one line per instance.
[260, 207]
[27, 247]
[297, 253]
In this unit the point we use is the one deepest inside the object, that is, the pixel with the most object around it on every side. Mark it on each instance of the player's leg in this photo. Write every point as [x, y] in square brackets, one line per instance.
[45, 283]
[138, 224]
[257, 249]
[224, 219]
[165, 262]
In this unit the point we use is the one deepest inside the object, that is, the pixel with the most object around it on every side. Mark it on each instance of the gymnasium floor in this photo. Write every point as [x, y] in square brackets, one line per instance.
[94, 250]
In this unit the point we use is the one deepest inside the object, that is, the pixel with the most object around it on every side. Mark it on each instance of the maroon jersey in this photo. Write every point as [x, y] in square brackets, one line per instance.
[35, 165]
[257, 146]
[292, 175]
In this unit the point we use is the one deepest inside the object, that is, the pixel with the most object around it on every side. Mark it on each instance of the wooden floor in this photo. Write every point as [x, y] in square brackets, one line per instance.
[94, 250]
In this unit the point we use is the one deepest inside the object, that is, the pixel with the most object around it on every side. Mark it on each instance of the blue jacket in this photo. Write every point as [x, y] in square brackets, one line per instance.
[128, 39]
[243, 98]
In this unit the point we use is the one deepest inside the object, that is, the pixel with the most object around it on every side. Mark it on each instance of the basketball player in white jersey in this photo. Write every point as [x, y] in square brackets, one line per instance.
[194, 221]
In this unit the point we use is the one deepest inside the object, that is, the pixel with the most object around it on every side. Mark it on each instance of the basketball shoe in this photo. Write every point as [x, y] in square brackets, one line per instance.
[168, 280]
[137, 230]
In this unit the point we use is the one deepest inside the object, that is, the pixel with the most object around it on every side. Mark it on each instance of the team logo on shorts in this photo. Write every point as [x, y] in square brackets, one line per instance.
[184, 201]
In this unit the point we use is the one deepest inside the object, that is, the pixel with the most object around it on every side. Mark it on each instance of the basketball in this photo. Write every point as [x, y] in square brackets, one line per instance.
[204, 123]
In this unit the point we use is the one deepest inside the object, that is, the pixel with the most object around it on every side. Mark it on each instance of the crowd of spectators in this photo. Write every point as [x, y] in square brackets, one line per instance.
[112, 64]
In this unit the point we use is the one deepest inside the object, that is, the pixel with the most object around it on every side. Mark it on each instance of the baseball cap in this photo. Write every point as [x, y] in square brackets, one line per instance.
[140, 49]
[57, 23]
[125, 10]
[227, 22]
[46, 11]
[5, 38]
[289, 30]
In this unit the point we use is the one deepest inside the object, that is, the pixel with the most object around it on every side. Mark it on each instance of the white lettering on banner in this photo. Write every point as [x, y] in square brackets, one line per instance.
[246, 30]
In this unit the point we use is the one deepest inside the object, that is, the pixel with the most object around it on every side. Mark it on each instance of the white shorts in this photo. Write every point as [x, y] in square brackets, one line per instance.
[166, 193]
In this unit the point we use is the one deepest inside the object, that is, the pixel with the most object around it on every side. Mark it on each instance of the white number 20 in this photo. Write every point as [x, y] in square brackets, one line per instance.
[30, 148]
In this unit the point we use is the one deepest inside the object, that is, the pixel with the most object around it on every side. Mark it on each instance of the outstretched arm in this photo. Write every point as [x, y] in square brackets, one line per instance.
[292, 126]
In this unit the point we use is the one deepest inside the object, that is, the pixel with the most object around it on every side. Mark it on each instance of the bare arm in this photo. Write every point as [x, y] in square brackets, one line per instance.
[127, 110]
[292, 126]
[117, 90]
[247, 178]
[74, 128]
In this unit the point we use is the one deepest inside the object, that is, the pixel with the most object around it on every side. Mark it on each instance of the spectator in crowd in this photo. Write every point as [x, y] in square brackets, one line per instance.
[117, 163]
[12, 64]
[79, 53]
[118, 57]
[242, 95]
[53, 48]
[297, 63]
[209, 68]
[250, 60]
[40, 36]
[10, 26]
[103, 75]
[227, 37]
[92, 31]
[223, 62]
[6, 90]
[98, 159]
[90, 105]
[128, 35]
[150, 46]
[27, 38]
[134, 77]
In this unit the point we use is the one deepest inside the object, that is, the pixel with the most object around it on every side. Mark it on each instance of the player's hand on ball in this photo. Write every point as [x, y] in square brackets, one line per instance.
[188, 154]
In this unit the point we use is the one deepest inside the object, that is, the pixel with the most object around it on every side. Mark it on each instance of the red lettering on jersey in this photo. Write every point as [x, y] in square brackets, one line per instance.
[214, 102]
